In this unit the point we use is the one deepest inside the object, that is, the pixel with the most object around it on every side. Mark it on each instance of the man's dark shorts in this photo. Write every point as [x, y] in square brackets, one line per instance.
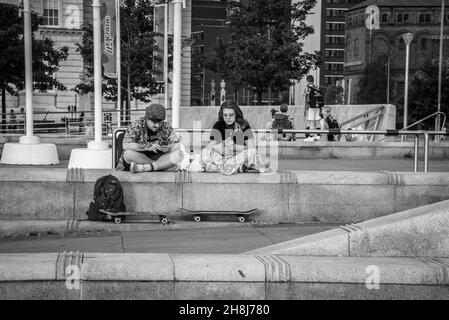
[152, 155]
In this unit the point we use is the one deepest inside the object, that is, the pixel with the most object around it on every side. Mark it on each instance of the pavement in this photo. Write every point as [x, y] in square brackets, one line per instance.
[225, 240]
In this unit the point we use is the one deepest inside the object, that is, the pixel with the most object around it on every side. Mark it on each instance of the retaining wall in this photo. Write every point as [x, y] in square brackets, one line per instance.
[240, 277]
[340, 197]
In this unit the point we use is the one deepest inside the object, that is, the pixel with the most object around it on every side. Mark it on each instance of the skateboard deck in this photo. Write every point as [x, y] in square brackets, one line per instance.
[119, 217]
[241, 215]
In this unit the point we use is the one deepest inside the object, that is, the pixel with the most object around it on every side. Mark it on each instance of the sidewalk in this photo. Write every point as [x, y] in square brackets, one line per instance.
[234, 239]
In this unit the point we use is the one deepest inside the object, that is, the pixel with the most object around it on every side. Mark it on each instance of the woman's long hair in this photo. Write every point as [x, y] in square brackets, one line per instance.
[231, 105]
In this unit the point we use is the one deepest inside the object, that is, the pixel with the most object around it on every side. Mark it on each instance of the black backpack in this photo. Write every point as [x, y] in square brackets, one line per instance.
[332, 123]
[281, 121]
[316, 99]
[108, 196]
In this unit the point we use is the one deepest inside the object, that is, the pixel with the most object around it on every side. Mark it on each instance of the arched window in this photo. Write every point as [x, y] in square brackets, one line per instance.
[356, 47]
[401, 44]
[405, 17]
[384, 17]
[421, 18]
[399, 18]
[427, 17]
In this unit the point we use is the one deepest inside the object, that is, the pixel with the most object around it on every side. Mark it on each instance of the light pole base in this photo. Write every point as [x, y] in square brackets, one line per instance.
[30, 154]
[91, 158]
[30, 140]
[93, 145]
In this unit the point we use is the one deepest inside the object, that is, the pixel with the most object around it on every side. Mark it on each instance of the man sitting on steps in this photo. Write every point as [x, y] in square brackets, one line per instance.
[150, 143]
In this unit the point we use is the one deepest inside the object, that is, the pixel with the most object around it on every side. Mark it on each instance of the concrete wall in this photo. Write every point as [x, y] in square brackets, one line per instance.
[213, 277]
[337, 197]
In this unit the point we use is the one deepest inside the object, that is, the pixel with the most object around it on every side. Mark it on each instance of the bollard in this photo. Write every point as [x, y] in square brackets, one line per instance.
[416, 147]
[426, 152]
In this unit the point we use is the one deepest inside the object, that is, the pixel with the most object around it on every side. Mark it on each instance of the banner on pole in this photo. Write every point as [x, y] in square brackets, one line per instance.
[109, 38]
[158, 54]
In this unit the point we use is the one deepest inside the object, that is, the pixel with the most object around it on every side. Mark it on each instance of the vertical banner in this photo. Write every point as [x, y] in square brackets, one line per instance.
[158, 54]
[109, 38]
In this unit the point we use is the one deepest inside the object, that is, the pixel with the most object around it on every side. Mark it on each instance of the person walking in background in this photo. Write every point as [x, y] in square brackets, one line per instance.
[313, 103]
[12, 121]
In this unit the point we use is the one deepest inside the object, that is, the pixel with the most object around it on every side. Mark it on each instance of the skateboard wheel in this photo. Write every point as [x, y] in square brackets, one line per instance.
[197, 218]
[164, 220]
[118, 220]
[241, 219]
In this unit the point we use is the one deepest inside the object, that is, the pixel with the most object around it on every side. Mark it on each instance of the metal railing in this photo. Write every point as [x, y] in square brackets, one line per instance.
[428, 117]
[335, 132]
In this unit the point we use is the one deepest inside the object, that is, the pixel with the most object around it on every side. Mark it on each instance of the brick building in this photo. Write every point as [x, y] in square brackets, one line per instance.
[420, 17]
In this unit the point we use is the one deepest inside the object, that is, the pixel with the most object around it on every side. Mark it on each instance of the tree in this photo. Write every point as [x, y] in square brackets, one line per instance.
[334, 95]
[46, 59]
[137, 47]
[265, 49]
[423, 95]
[373, 84]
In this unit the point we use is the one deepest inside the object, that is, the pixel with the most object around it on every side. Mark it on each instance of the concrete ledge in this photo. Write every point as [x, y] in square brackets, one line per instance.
[293, 150]
[420, 232]
[291, 197]
[163, 276]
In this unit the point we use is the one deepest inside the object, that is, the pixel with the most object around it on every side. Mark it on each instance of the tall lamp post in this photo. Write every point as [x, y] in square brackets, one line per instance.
[408, 37]
[440, 68]
[29, 150]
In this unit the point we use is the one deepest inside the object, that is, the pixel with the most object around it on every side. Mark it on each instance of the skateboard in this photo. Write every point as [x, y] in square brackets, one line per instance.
[241, 215]
[119, 217]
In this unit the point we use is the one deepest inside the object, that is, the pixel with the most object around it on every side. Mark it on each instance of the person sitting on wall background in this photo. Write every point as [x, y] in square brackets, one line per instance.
[150, 143]
[282, 120]
[269, 125]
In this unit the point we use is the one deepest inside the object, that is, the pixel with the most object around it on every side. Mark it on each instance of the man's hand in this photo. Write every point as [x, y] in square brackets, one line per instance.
[155, 147]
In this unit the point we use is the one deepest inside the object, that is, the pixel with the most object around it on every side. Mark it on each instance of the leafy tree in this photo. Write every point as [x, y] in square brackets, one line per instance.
[264, 49]
[334, 95]
[46, 59]
[137, 47]
[373, 84]
[423, 94]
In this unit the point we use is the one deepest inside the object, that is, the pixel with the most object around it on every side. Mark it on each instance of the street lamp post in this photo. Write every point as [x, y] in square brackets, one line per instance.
[440, 68]
[408, 37]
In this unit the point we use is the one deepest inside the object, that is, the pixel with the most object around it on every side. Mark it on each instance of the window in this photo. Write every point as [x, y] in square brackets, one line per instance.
[350, 20]
[51, 13]
[399, 17]
[427, 17]
[356, 19]
[400, 89]
[421, 18]
[401, 44]
[405, 17]
[335, 40]
[424, 44]
[384, 17]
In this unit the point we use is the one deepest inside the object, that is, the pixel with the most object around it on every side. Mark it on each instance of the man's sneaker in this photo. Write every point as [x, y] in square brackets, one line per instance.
[316, 138]
[309, 139]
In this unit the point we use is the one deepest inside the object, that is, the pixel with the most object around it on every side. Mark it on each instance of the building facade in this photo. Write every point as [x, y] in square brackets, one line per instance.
[420, 17]
[333, 27]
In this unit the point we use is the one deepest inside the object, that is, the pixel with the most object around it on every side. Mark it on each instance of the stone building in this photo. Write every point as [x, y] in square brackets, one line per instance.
[420, 17]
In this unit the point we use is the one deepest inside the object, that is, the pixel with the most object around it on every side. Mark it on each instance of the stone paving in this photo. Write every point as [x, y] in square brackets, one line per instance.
[229, 240]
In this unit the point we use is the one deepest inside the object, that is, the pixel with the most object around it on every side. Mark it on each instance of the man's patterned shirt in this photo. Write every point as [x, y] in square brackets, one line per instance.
[138, 132]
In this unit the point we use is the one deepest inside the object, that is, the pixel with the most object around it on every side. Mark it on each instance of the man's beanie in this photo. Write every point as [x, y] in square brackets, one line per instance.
[155, 112]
